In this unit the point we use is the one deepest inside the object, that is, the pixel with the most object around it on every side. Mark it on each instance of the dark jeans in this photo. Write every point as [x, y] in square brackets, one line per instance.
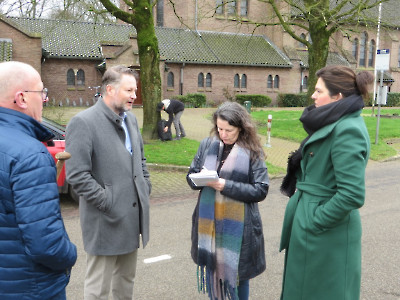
[243, 290]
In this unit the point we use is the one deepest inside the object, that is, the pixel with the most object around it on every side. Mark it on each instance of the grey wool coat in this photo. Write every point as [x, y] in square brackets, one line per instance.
[113, 185]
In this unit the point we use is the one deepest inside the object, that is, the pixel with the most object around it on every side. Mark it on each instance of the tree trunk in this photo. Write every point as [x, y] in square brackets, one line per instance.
[150, 79]
[141, 17]
[319, 49]
[317, 57]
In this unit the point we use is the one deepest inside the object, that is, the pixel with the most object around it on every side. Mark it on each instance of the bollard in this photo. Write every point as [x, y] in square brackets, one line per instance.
[268, 144]
[247, 105]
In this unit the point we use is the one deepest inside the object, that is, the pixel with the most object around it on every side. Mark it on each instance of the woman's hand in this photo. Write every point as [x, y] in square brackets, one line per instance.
[217, 185]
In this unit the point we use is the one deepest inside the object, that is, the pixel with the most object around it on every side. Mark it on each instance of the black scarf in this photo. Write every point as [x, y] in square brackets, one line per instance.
[313, 119]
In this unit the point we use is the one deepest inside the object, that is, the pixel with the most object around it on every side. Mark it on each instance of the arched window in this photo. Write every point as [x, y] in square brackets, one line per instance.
[200, 80]
[243, 83]
[80, 77]
[354, 50]
[363, 49]
[244, 7]
[303, 36]
[276, 82]
[232, 6]
[208, 80]
[170, 79]
[219, 7]
[269, 82]
[236, 81]
[371, 54]
[160, 13]
[71, 77]
[305, 82]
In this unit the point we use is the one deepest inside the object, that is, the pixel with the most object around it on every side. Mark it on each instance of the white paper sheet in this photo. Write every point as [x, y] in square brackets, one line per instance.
[204, 177]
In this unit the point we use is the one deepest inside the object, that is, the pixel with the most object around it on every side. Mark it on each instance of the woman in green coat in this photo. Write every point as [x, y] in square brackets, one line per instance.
[321, 232]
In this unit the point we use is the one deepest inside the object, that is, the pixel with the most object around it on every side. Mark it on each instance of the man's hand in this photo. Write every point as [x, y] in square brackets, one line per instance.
[165, 128]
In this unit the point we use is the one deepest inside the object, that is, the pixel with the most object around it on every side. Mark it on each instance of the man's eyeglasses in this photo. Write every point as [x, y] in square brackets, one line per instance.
[44, 92]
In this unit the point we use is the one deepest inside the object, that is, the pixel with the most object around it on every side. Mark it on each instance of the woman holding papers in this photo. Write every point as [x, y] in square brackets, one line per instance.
[227, 236]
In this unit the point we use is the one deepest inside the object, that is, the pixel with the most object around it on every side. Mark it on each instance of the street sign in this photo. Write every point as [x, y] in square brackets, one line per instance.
[382, 59]
[382, 95]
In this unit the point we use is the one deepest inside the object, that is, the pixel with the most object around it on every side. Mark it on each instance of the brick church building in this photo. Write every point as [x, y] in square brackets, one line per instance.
[217, 52]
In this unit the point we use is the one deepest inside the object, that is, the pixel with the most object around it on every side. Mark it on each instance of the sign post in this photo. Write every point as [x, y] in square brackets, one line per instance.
[268, 144]
[382, 64]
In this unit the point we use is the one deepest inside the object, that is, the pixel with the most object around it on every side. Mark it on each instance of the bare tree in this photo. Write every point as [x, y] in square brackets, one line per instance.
[77, 10]
[23, 8]
[87, 10]
[317, 19]
[141, 17]
[321, 19]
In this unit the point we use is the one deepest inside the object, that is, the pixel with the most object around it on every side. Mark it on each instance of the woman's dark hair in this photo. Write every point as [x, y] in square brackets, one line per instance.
[237, 116]
[113, 76]
[341, 79]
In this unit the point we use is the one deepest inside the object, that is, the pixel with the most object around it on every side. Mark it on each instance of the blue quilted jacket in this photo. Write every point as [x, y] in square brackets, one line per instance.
[36, 254]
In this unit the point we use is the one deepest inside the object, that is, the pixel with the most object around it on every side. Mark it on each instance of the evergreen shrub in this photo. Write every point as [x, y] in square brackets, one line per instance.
[192, 100]
[256, 100]
[292, 100]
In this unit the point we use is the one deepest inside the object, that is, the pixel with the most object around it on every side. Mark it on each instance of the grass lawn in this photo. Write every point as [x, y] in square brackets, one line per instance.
[285, 125]
[159, 152]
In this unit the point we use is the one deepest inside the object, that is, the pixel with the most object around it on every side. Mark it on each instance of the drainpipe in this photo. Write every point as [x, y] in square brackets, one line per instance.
[301, 76]
[195, 17]
[181, 80]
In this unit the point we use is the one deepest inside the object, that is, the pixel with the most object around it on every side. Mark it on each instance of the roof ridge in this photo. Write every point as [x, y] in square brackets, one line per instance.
[67, 21]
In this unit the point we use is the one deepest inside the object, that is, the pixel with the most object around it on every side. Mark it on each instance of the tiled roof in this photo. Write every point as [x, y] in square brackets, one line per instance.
[334, 58]
[5, 49]
[179, 45]
[62, 38]
[389, 13]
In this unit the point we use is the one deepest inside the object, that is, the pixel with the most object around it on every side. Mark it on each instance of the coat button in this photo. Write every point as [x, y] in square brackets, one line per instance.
[134, 204]
[311, 154]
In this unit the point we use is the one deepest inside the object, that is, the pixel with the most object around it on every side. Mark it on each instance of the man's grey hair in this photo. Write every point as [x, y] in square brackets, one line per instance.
[113, 76]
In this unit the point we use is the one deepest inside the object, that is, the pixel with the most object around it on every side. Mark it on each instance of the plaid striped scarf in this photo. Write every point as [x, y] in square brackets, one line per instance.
[220, 227]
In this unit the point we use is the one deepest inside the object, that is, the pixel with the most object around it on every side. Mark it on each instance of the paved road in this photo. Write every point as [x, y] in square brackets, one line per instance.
[175, 278]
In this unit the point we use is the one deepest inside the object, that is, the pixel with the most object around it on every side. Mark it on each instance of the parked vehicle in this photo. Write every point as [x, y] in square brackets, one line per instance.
[58, 145]
[57, 129]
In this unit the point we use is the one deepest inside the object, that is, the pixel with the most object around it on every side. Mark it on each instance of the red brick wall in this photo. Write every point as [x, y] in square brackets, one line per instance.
[222, 79]
[25, 48]
[54, 76]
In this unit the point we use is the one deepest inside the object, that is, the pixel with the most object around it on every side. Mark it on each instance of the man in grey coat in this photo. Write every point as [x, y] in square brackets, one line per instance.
[107, 169]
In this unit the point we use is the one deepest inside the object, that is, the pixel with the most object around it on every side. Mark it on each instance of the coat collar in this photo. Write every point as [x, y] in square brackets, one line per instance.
[112, 116]
[25, 123]
[326, 130]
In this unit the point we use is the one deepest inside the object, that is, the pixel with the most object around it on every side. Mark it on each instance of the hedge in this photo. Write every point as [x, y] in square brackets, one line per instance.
[393, 100]
[192, 100]
[256, 100]
[292, 100]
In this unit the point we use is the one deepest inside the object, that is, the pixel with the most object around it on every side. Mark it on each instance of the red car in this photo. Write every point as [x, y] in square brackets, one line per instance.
[55, 146]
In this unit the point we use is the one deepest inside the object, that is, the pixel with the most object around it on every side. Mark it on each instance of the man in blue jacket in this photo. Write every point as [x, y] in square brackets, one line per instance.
[36, 255]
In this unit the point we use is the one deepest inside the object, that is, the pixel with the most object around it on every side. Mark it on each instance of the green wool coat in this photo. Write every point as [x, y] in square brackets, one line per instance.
[322, 229]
